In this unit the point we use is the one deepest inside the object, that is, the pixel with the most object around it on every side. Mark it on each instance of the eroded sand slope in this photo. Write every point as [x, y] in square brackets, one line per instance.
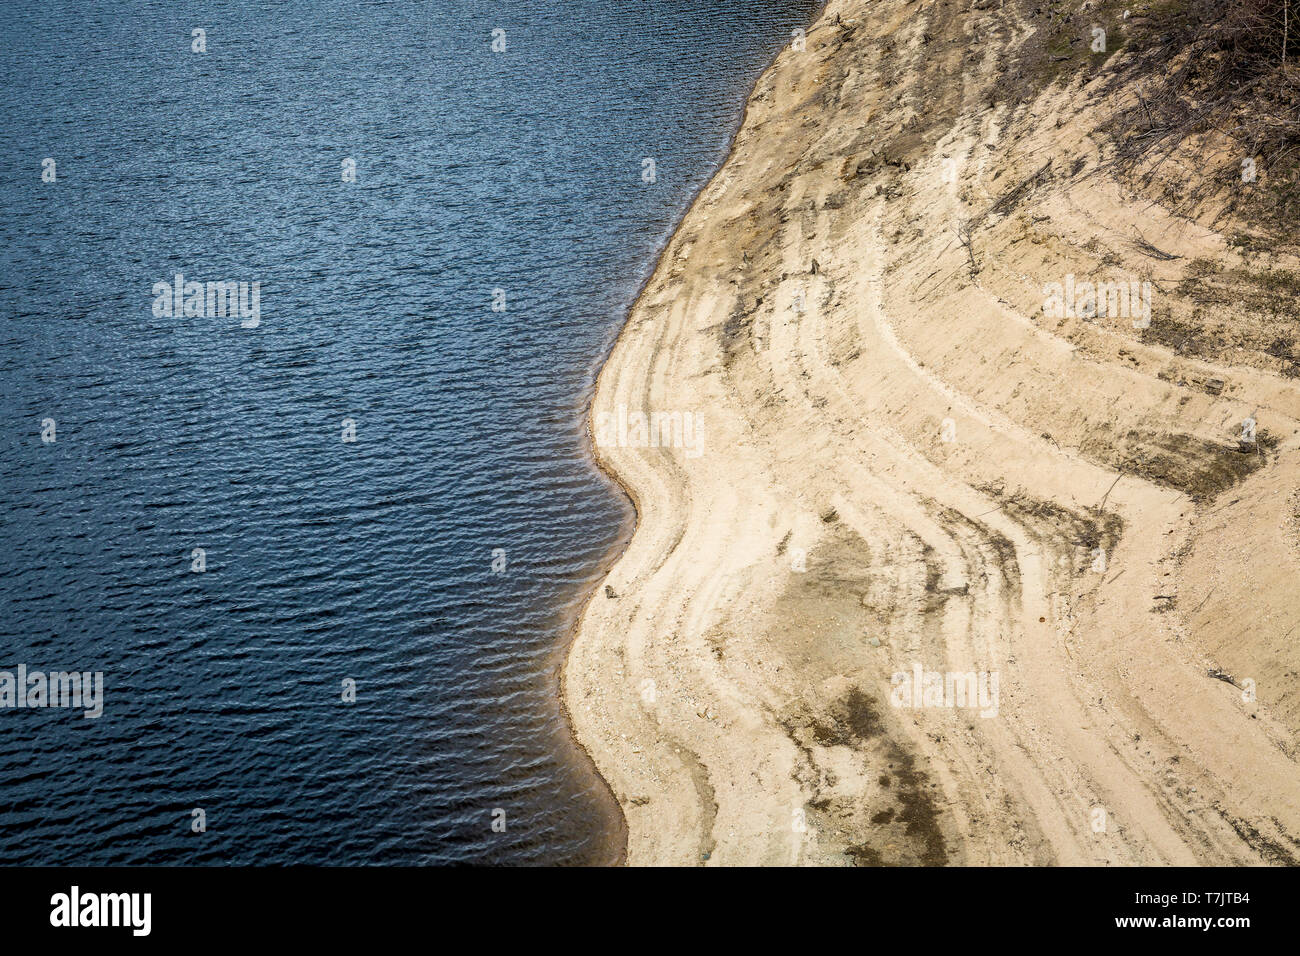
[895, 414]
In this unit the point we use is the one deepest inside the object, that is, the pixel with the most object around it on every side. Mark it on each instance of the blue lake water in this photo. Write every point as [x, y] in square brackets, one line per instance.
[326, 560]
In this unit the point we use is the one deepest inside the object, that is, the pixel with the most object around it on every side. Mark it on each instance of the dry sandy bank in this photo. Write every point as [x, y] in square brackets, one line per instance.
[904, 460]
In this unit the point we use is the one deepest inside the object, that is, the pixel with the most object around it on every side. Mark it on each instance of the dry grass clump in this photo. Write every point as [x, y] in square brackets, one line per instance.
[1219, 71]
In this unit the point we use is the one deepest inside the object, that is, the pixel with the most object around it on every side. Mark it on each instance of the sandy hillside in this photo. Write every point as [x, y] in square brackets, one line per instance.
[903, 460]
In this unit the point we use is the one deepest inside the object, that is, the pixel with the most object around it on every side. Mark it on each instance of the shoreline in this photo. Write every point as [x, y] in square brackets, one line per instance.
[908, 464]
[602, 465]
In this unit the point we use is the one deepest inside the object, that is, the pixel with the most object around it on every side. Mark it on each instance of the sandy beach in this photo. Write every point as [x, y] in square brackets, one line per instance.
[893, 439]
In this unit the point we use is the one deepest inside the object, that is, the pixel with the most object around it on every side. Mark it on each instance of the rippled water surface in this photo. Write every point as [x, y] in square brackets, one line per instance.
[325, 560]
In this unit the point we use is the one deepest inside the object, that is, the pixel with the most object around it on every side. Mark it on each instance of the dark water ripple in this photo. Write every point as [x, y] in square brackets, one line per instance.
[326, 560]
